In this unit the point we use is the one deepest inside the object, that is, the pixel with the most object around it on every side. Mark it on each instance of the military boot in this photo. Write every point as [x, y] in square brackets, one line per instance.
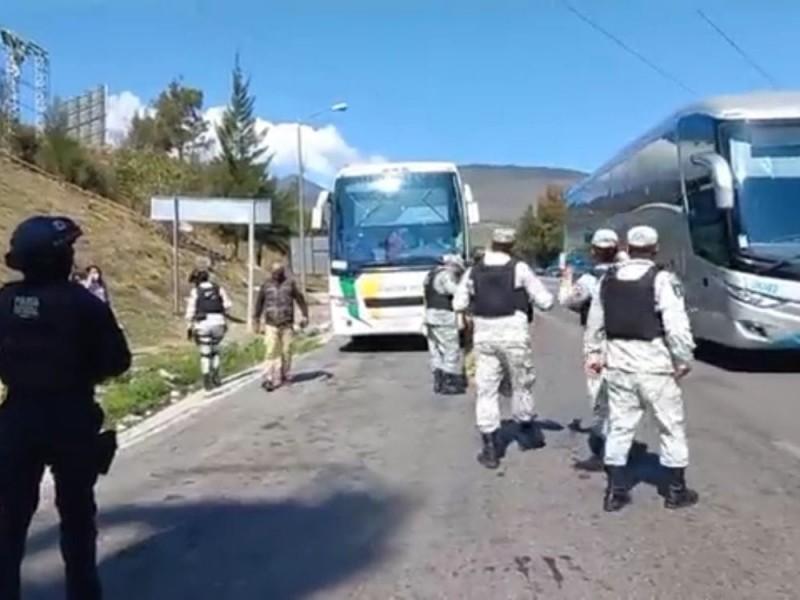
[208, 382]
[216, 378]
[617, 494]
[437, 380]
[677, 495]
[451, 385]
[489, 455]
[596, 444]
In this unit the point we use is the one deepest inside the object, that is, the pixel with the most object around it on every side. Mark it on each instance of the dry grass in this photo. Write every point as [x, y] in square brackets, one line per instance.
[136, 260]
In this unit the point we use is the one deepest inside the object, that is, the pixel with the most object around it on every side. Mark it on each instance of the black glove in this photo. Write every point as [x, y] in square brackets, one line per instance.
[190, 334]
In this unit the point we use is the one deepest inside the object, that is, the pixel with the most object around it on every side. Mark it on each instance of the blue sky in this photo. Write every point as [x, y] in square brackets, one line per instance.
[494, 81]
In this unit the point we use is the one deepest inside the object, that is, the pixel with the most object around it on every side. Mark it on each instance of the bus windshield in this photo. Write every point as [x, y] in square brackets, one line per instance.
[395, 220]
[765, 159]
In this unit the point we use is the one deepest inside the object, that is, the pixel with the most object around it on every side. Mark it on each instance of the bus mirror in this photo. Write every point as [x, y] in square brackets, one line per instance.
[721, 176]
[318, 210]
[473, 214]
[468, 199]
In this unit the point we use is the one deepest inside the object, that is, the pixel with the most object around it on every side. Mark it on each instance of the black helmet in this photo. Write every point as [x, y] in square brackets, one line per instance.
[199, 275]
[42, 243]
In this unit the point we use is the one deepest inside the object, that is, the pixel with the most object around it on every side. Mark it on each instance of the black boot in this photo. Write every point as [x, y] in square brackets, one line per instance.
[528, 436]
[208, 382]
[617, 494]
[451, 385]
[596, 444]
[677, 495]
[216, 378]
[437, 380]
[594, 463]
[489, 455]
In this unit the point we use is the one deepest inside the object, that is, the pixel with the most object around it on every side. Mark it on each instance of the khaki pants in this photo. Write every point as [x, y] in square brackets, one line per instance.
[278, 351]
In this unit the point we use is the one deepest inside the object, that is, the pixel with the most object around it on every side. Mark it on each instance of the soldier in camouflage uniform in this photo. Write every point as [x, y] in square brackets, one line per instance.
[577, 296]
[441, 326]
[638, 330]
[498, 291]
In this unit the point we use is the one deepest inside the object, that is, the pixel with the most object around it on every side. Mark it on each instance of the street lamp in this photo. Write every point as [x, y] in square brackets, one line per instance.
[338, 107]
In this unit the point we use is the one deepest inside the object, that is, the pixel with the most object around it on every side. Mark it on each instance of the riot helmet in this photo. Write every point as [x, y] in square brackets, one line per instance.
[43, 247]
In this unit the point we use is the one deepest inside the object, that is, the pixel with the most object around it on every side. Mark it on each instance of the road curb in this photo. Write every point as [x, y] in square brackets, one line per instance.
[195, 402]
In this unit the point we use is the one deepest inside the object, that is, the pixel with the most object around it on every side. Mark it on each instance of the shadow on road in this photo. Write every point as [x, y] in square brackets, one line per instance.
[509, 433]
[749, 361]
[312, 375]
[386, 343]
[242, 550]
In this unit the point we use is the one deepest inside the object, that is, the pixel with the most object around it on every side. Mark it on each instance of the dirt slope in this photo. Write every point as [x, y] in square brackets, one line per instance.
[136, 260]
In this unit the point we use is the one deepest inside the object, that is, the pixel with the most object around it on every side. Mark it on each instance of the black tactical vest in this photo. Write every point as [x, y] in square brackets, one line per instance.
[433, 298]
[630, 307]
[42, 333]
[209, 301]
[495, 294]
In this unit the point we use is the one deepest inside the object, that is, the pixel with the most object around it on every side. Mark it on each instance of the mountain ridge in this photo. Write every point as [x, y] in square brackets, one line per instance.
[502, 191]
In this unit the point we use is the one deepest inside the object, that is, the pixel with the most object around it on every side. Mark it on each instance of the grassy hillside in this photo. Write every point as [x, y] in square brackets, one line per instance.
[134, 256]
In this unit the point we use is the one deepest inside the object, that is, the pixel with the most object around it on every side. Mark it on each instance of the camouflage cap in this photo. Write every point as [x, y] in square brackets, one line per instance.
[504, 236]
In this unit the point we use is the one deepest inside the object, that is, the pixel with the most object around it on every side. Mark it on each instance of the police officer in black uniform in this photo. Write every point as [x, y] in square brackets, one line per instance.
[57, 341]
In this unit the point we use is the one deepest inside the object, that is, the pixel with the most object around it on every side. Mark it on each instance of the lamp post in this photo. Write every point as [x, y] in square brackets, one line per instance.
[338, 107]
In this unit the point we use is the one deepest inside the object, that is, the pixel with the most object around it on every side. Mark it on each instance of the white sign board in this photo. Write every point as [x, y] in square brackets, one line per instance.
[221, 211]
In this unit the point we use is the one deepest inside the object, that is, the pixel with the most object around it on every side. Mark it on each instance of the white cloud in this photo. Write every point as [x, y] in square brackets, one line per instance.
[325, 151]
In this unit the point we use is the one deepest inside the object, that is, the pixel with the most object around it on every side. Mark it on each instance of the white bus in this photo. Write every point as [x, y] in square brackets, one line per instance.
[717, 180]
[388, 224]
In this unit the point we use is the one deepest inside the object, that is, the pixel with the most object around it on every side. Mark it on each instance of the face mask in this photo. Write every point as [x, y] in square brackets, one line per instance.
[278, 275]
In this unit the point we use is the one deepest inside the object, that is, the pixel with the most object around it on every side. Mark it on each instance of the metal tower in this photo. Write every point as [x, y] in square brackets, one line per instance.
[17, 51]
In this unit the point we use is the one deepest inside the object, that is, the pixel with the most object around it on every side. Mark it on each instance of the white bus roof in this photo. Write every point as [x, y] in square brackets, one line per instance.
[415, 167]
[752, 105]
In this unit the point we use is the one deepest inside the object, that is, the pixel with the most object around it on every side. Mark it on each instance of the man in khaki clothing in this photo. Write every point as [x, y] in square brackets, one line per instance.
[275, 308]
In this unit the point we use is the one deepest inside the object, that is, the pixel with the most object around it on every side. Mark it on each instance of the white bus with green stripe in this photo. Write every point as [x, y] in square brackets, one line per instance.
[388, 224]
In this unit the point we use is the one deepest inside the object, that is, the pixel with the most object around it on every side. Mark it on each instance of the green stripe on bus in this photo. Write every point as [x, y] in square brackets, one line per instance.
[348, 285]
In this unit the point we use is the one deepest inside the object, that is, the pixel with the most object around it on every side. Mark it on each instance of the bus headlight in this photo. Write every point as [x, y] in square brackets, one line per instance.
[753, 298]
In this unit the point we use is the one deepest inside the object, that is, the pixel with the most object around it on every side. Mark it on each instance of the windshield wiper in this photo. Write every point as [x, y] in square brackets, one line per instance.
[774, 264]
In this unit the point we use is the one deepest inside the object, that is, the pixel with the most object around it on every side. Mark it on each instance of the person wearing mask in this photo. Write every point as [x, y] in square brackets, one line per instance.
[441, 325]
[639, 332]
[274, 308]
[94, 282]
[497, 291]
[57, 342]
[577, 296]
[206, 315]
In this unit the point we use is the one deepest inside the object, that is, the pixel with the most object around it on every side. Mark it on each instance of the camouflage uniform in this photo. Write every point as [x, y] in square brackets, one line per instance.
[442, 332]
[503, 345]
[642, 374]
[577, 296]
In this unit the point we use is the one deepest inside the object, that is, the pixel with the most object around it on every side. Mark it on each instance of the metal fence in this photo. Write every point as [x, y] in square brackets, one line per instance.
[316, 251]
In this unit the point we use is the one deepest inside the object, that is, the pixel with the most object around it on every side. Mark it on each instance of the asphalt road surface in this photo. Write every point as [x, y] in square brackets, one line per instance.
[359, 483]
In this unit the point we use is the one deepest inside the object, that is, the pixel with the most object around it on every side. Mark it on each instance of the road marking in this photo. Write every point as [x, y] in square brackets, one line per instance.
[788, 447]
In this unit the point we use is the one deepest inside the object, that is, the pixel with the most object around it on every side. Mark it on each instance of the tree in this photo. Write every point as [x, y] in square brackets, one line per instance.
[177, 125]
[243, 164]
[540, 233]
[526, 244]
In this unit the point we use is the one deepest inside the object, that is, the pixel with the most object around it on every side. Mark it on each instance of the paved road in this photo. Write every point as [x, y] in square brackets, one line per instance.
[358, 483]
